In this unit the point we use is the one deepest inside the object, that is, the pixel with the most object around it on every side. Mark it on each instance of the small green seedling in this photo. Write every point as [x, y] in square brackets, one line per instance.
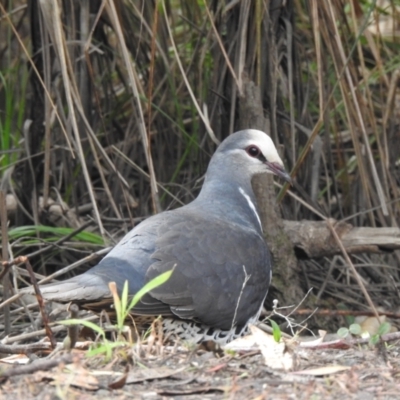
[382, 330]
[356, 330]
[276, 331]
[122, 308]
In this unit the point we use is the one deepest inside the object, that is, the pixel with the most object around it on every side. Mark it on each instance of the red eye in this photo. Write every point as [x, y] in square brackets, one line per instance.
[253, 151]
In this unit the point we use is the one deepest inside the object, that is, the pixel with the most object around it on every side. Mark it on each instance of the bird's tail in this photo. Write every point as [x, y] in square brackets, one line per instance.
[82, 288]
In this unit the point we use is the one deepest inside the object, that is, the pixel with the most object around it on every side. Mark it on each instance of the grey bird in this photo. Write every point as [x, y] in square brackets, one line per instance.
[215, 244]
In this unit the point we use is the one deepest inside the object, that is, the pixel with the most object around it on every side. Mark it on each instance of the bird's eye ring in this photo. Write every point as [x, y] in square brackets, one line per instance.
[253, 151]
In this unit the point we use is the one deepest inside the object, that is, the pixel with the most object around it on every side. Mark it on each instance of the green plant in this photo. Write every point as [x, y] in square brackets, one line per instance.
[353, 329]
[382, 330]
[276, 331]
[122, 308]
[27, 235]
[356, 330]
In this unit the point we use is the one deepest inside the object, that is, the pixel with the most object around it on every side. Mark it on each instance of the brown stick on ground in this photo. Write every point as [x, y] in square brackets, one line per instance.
[38, 365]
[314, 239]
[39, 297]
[24, 348]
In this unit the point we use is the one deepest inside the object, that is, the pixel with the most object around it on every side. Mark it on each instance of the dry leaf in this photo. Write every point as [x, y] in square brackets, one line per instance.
[275, 354]
[243, 343]
[120, 382]
[315, 342]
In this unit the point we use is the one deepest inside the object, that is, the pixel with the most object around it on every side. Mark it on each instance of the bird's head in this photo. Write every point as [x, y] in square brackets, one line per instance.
[252, 151]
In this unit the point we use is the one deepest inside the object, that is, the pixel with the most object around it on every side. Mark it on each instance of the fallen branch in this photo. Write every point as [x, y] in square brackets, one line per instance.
[38, 365]
[313, 239]
[40, 301]
[25, 348]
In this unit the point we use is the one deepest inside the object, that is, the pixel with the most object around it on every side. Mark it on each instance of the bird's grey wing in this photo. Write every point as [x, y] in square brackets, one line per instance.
[127, 261]
[221, 270]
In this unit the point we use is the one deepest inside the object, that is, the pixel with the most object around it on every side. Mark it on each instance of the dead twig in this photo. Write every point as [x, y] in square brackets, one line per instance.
[73, 330]
[16, 261]
[353, 268]
[39, 365]
[24, 348]
[6, 266]
[40, 300]
[19, 260]
[40, 332]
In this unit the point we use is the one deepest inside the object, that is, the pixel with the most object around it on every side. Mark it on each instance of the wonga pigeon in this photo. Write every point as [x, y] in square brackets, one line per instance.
[222, 266]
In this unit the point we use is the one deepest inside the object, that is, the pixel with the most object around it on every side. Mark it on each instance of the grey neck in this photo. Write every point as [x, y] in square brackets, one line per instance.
[226, 195]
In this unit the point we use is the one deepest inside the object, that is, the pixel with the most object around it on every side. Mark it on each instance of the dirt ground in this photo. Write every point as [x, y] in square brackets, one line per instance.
[177, 372]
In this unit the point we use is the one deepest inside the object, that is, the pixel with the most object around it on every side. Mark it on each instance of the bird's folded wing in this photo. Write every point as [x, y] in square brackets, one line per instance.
[218, 269]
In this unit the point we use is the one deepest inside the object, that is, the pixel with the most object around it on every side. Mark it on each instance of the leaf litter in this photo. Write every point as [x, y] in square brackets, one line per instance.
[255, 366]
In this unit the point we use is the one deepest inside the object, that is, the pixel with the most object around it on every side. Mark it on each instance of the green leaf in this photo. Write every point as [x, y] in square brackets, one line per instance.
[355, 329]
[121, 304]
[157, 281]
[374, 340]
[124, 298]
[343, 332]
[276, 331]
[104, 348]
[122, 311]
[384, 328]
[56, 232]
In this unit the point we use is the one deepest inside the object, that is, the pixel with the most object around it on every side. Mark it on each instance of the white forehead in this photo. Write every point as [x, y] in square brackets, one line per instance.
[264, 143]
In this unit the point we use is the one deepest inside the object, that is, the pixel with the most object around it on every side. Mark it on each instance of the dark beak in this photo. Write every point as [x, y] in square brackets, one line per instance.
[279, 170]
